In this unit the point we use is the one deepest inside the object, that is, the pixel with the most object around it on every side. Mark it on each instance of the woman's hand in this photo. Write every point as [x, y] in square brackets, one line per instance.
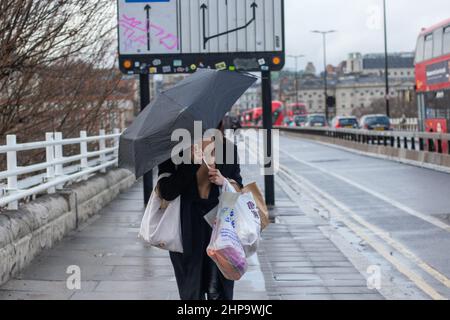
[216, 177]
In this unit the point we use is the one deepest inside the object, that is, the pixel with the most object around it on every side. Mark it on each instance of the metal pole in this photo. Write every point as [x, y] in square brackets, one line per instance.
[386, 64]
[325, 74]
[268, 148]
[144, 85]
[296, 80]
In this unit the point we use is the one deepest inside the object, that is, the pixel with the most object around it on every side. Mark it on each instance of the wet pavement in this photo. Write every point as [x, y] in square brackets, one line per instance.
[404, 207]
[295, 260]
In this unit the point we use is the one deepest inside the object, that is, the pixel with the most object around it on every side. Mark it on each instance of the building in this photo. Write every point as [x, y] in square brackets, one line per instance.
[354, 63]
[122, 104]
[310, 69]
[250, 99]
[358, 82]
[401, 65]
[312, 93]
[362, 90]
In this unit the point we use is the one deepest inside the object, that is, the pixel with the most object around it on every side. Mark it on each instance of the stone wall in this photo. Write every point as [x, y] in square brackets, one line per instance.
[40, 224]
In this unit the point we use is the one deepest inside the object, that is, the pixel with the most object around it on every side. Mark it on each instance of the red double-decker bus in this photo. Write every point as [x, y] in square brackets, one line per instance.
[254, 116]
[297, 109]
[433, 77]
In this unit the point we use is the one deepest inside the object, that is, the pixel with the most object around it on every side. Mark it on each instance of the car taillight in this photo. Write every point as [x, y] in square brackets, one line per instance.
[366, 126]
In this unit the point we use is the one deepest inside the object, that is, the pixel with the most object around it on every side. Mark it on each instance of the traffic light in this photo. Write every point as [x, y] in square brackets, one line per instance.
[331, 101]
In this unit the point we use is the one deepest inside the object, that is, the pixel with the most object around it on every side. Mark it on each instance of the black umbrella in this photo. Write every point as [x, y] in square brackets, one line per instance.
[205, 96]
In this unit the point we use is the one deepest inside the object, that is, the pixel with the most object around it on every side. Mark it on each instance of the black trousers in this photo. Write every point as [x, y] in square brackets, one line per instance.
[198, 277]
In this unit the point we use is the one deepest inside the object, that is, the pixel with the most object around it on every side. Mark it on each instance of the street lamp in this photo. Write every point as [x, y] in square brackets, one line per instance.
[324, 35]
[296, 57]
[386, 61]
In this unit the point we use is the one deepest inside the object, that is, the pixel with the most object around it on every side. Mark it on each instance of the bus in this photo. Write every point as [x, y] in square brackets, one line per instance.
[278, 113]
[297, 109]
[254, 117]
[432, 65]
[251, 117]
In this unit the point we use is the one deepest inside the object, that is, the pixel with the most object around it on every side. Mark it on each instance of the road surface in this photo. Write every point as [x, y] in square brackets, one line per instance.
[401, 210]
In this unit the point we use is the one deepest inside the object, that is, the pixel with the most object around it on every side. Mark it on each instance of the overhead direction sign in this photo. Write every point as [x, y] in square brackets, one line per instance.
[179, 36]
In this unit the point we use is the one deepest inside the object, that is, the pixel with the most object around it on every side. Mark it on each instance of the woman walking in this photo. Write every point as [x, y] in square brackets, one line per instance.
[198, 278]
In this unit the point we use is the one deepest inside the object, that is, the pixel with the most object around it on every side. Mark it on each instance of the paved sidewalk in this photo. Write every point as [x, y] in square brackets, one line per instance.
[299, 262]
[295, 261]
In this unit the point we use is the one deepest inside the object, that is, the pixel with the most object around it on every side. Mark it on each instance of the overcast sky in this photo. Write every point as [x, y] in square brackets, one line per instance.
[359, 26]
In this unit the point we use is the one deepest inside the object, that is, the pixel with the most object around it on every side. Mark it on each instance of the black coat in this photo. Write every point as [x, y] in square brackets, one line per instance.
[196, 273]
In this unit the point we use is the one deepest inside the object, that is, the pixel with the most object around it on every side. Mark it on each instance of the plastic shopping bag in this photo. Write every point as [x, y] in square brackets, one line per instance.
[260, 203]
[161, 224]
[225, 247]
[247, 217]
[248, 223]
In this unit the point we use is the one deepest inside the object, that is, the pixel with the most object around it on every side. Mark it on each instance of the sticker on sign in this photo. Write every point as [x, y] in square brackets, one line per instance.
[204, 30]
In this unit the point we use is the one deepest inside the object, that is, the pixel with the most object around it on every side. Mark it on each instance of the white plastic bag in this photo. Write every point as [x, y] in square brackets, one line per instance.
[248, 225]
[225, 247]
[248, 222]
[160, 227]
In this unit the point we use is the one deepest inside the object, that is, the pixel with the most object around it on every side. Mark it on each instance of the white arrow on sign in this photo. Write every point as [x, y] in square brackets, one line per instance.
[206, 38]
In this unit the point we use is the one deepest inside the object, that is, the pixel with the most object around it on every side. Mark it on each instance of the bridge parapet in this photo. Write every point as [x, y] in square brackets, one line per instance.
[57, 175]
[63, 197]
[431, 150]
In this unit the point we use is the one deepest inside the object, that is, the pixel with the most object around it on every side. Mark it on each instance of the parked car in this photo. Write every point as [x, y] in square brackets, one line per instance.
[300, 121]
[378, 122]
[345, 123]
[316, 120]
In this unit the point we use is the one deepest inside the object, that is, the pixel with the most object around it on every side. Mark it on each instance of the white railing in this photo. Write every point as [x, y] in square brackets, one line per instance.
[56, 175]
[407, 124]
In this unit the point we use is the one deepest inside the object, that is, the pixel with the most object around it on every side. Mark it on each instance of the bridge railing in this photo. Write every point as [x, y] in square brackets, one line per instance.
[407, 124]
[417, 141]
[56, 173]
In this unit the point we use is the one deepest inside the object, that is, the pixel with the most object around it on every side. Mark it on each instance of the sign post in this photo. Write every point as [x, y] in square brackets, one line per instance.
[269, 178]
[144, 88]
[181, 36]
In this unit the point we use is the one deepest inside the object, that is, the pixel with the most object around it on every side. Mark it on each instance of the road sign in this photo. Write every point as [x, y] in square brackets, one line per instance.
[179, 36]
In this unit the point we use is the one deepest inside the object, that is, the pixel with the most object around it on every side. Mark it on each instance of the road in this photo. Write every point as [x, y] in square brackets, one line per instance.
[400, 210]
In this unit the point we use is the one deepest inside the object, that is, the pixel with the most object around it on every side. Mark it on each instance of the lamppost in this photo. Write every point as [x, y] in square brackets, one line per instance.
[386, 61]
[325, 73]
[296, 57]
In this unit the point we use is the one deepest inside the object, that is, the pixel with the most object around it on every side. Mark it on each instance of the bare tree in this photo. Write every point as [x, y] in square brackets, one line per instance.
[58, 67]
[45, 45]
[403, 105]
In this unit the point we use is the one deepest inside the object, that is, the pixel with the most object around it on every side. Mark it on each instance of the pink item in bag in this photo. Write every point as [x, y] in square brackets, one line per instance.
[225, 248]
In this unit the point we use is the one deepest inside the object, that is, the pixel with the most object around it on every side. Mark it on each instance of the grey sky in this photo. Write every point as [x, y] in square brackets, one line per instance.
[359, 25]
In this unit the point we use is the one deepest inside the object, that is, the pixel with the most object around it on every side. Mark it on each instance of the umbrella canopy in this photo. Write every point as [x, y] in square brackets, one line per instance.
[205, 96]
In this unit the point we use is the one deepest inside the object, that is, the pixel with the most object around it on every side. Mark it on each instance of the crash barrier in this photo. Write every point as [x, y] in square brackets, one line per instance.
[426, 149]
